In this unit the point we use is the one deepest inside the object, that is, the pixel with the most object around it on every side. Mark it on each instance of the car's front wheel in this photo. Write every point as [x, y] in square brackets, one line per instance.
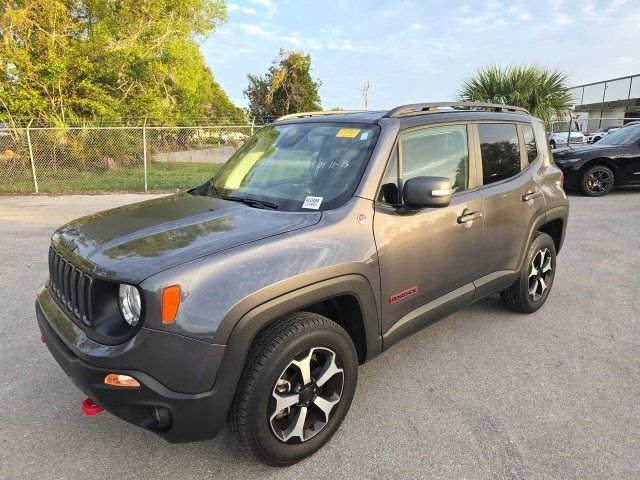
[529, 292]
[597, 181]
[295, 389]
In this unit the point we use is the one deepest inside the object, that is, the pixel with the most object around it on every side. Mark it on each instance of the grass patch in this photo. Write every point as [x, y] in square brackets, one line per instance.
[161, 176]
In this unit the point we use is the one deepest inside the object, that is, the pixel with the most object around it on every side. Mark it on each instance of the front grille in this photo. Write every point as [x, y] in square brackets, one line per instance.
[71, 287]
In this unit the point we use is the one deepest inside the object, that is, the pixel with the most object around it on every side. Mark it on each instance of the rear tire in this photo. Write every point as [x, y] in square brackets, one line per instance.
[295, 390]
[597, 181]
[529, 292]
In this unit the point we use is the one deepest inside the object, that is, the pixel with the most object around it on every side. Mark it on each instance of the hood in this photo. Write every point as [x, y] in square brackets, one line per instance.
[584, 150]
[136, 241]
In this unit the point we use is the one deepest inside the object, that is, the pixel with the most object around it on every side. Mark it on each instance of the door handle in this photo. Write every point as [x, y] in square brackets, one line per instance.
[469, 217]
[530, 195]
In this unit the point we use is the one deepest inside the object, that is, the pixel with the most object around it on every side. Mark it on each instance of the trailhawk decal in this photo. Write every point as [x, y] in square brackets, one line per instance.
[396, 297]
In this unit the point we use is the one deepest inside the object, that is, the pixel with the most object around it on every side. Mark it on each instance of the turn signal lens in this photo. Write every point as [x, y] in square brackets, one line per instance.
[119, 380]
[170, 303]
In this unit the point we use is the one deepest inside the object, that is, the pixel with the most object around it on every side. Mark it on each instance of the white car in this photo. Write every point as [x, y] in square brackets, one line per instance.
[559, 139]
[600, 133]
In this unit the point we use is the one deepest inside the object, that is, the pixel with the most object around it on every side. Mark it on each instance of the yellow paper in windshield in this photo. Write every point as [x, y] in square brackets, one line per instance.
[347, 133]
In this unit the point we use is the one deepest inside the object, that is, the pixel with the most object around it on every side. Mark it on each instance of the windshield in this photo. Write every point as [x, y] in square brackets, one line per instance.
[298, 167]
[622, 136]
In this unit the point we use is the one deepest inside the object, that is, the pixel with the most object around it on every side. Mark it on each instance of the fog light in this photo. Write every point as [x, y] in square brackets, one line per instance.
[119, 380]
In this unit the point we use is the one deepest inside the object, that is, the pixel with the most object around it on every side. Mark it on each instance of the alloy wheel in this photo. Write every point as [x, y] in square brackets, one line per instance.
[305, 395]
[598, 181]
[540, 274]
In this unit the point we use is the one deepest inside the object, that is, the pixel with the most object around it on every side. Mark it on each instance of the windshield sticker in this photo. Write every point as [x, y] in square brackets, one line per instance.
[312, 203]
[364, 135]
[348, 133]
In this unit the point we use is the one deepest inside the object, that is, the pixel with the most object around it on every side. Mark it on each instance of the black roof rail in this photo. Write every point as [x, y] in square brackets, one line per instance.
[422, 108]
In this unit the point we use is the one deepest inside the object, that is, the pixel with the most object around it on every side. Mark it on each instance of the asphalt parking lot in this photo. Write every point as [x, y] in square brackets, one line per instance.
[485, 393]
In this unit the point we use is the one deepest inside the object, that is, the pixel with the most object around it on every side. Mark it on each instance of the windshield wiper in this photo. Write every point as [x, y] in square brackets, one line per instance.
[252, 202]
[214, 190]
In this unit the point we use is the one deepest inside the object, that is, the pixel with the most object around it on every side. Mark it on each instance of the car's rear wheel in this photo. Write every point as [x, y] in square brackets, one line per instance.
[295, 389]
[529, 292]
[597, 181]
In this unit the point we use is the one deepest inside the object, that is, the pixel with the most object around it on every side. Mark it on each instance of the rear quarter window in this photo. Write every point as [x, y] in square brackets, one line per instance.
[530, 144]
[541, 139]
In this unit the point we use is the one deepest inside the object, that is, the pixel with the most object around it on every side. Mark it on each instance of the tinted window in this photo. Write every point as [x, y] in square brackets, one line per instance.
[500, 151]
[624, 136]
[529, 143]
[437, 152]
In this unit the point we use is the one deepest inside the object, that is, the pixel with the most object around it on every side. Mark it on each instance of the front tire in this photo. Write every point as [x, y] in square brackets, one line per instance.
[529, 292]
[597, 181]
[295, 390]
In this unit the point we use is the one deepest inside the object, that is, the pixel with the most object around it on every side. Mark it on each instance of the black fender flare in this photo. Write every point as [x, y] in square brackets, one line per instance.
[561, 212]
[253, 321]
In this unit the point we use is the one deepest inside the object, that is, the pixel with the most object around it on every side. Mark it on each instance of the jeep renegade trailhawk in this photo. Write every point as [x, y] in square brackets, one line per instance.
[325, 239]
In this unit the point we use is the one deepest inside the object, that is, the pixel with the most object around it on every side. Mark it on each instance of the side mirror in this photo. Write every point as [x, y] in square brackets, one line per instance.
[427, 192]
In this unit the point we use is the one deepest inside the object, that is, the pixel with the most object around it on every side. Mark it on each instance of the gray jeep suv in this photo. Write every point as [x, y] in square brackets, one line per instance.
[323, 241]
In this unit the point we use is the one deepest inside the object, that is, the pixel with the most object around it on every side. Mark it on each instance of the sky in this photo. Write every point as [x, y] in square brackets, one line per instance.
[418, 51]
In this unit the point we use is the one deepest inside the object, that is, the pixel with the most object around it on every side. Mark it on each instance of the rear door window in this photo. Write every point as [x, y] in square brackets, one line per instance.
[500, 151]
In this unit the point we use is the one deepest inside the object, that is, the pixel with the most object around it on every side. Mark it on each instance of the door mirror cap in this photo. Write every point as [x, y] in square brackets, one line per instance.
[427, 192]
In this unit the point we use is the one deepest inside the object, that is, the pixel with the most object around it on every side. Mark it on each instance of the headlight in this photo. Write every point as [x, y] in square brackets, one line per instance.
[130, 304]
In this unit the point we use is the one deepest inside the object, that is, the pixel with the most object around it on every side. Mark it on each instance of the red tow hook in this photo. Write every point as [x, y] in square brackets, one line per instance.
[42, 339]
[90, 408]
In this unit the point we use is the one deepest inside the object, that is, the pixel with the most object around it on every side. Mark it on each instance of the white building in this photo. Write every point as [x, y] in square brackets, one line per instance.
[607, 103]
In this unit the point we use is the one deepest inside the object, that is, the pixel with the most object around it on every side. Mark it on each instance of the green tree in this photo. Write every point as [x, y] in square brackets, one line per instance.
[287, 87]
[540, 90]
[63, 60]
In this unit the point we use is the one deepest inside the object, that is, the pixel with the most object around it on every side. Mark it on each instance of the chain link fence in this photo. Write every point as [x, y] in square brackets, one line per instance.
[592, 125]
[95, 159]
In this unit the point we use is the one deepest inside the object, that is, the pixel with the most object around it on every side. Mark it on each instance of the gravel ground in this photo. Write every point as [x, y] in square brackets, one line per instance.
[484, 393]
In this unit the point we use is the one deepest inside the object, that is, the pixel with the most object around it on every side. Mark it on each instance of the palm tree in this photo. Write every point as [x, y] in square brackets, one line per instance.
[540, 90]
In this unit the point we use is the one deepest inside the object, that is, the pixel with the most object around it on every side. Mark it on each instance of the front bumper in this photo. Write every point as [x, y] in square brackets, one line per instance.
[572, 173]
[173, 415]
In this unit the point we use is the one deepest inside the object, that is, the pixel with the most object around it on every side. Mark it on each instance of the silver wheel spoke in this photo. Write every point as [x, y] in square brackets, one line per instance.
[296, 429]
[534, 270]
[329, 370]
[304, 366]
[534, 288]
[284, 401]
[326, 404]
[543, 285]
[542, 255]
[547, 265]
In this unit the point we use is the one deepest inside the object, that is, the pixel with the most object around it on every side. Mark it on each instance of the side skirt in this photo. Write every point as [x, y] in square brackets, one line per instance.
[447, 304]
[429, 313]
